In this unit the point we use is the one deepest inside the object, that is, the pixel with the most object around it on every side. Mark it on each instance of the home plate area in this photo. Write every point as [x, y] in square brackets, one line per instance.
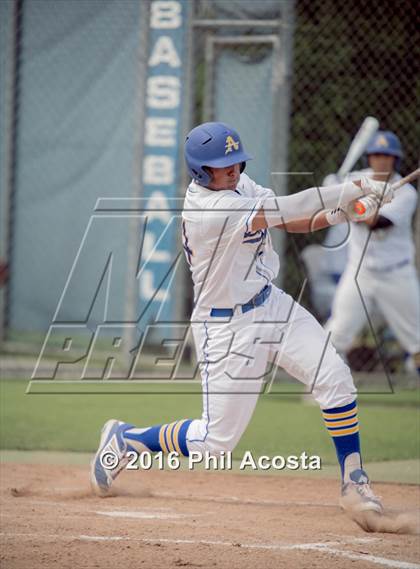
[49, 518]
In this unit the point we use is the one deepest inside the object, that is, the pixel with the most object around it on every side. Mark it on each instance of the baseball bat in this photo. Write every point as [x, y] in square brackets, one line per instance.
[359, 206]
[407, 179]
[358, 146]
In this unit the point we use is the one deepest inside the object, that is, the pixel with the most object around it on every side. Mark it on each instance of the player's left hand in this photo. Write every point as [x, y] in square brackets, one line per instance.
[381, 190]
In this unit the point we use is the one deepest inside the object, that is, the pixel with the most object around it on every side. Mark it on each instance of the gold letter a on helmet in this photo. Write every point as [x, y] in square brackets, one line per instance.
[231, 144]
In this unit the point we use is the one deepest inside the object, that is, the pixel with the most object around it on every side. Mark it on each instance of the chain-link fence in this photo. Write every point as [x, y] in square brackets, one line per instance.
[296, 79]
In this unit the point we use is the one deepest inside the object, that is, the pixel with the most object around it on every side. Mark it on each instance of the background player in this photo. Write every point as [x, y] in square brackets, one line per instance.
[387, 278]
[241, 321]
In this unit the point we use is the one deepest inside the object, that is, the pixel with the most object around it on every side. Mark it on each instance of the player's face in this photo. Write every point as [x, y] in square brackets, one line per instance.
[381, 164]
[225, 178]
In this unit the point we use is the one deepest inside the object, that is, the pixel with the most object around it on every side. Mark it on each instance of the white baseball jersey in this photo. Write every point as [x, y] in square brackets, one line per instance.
[390, 246]
[230, 263]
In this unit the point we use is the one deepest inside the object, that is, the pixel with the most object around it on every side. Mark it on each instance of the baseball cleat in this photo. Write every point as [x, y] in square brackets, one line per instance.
[359, 501]
[110, 457]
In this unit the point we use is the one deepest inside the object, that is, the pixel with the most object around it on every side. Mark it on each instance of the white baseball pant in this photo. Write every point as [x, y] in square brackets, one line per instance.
[394, 293]
[234, 354]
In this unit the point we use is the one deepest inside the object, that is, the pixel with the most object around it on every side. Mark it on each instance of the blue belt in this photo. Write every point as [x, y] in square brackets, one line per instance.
[255, 301]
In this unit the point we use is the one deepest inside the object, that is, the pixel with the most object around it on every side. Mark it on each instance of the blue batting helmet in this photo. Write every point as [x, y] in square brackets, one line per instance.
[213, 144]
[385, 142]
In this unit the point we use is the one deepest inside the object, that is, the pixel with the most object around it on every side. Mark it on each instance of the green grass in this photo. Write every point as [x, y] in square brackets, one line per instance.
[282, 424]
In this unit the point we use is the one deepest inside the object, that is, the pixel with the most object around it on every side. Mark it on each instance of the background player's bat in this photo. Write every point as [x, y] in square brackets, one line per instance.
[358, 146]
[359, 206]
[407, 179]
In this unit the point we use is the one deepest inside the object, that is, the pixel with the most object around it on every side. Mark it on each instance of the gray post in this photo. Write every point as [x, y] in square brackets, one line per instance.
[10, 168]
[281, 115]
[132, 293]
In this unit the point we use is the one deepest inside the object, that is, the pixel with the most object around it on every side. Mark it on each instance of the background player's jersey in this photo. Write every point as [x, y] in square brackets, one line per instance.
[390, 246]
[229, 262]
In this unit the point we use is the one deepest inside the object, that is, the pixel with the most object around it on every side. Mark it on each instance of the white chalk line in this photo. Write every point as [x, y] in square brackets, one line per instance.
[327, 548]
[236, 500]
[189, 498]
[143, 514]
[346, 540]
[146, 515]
[112, 511]
[173, 518]
[219, 499]
[203, 498]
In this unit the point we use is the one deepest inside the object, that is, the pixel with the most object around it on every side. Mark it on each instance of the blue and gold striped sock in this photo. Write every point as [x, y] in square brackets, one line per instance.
[343, 425]
[171, 437]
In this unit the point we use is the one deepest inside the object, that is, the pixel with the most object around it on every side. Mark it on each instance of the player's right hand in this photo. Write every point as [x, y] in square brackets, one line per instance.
[381, 190]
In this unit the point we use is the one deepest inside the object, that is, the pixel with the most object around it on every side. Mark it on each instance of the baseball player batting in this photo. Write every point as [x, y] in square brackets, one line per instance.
[241, 321]
[383, 246]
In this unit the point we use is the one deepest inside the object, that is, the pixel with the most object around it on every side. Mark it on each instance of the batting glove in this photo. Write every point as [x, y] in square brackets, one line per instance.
[336, 216]
[381, 190]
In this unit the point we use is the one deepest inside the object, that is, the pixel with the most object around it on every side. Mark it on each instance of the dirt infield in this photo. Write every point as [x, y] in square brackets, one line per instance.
[162, 519]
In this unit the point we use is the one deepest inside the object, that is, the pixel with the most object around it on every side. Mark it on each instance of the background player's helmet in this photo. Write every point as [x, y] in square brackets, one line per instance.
[213, 144]
[386, 142]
